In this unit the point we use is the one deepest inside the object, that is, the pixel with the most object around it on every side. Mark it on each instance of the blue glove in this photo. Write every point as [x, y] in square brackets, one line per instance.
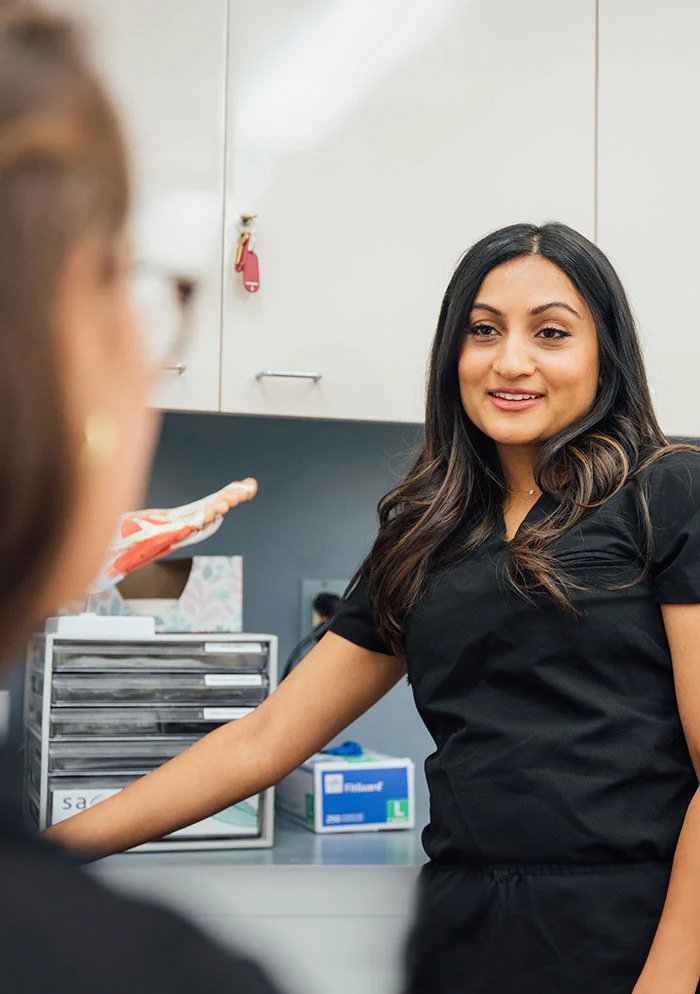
[346, 749]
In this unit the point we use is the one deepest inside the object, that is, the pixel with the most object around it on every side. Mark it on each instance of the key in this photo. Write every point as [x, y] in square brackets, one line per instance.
[242, 251]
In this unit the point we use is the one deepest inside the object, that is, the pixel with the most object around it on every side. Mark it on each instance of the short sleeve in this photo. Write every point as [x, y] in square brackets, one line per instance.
[672, 487]
[355, 622]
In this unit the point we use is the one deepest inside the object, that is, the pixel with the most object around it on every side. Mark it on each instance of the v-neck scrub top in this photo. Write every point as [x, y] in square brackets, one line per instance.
[561, 775]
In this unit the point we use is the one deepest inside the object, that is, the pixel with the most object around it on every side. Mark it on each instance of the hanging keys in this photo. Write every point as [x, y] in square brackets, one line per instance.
[241, 251]
[247, 262]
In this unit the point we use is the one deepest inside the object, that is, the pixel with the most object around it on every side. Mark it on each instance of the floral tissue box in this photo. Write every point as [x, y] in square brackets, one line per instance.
[199, 594]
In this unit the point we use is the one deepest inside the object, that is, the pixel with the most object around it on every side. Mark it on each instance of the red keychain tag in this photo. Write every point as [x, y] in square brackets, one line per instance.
[251, 271]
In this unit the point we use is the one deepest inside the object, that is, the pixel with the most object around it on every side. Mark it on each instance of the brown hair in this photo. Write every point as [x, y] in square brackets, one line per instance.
[63, 175]
[452, 498]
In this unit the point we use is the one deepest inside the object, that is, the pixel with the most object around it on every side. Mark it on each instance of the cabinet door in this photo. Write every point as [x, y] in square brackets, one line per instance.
[649, 164]
[166, 66]
[376, 140]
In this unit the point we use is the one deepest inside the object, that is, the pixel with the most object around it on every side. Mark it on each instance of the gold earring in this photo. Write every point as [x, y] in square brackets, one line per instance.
[101, 438]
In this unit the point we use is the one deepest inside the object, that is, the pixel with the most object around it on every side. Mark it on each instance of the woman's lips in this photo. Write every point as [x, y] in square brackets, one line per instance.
[512, 400]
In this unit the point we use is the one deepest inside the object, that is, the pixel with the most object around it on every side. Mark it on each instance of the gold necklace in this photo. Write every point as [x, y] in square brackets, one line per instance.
[530, 493]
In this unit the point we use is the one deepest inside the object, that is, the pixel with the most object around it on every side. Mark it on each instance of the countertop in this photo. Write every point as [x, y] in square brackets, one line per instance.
[297, 846]
[321, 912]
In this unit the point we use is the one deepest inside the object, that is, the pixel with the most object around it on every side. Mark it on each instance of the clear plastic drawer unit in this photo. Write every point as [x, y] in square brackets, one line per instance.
[100, 714]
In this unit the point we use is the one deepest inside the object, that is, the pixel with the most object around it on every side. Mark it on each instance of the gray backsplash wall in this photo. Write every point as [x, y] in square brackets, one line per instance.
[314, 517]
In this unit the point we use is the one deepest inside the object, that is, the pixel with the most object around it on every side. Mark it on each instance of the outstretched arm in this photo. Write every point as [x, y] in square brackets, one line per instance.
[333, 685]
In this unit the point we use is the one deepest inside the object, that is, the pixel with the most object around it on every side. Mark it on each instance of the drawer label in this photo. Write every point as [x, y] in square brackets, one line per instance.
[225, 647]
[225, 714]
[66, 803]
[233, 680]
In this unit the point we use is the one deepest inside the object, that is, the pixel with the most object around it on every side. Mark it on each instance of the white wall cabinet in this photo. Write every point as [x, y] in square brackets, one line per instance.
[166, 65]
[649, 209]
[376, 140]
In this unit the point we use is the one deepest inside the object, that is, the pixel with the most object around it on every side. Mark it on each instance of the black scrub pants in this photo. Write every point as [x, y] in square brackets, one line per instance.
[534, 929]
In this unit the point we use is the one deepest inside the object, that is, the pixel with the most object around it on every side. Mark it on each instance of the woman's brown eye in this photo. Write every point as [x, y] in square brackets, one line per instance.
[552, 334]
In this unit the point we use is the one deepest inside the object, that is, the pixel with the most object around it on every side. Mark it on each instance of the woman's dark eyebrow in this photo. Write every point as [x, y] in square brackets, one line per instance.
[534, 312]
[487, 307]
[555, 303]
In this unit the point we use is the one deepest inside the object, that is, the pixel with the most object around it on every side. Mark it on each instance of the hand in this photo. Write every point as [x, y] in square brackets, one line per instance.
[235, 493]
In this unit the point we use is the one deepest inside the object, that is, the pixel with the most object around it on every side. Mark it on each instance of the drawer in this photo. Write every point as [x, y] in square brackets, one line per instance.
[33, 775]
[71, 795]
[112, 721]
[127, 757]
[34, 710]
[33, 759]
[36, 681]
[32, 807]
[147, 657]
[159, 688]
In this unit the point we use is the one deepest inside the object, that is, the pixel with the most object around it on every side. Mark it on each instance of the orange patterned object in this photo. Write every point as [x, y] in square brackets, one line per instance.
[145, 536]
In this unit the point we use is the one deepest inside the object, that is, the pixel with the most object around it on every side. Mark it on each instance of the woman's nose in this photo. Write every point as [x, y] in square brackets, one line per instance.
[514, 358]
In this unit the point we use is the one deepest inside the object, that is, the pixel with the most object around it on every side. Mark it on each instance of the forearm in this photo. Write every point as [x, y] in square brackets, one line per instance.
[673, 964]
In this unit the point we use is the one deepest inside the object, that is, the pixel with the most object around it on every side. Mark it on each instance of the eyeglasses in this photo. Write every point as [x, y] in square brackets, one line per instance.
[164, 304]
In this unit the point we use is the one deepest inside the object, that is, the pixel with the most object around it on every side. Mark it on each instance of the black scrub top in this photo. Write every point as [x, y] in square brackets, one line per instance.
[558, 739]
[63, 933]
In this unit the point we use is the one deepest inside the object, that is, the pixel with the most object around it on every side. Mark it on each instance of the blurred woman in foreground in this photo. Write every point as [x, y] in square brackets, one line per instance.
[74, 452]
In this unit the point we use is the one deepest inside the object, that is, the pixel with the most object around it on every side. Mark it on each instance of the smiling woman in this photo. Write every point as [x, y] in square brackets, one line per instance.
[532, 570]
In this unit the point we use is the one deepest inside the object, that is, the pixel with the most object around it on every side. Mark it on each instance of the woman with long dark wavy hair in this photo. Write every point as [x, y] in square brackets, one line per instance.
[537, 577]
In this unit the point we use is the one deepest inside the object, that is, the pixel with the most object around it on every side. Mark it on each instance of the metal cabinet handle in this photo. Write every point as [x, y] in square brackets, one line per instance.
[176, 367]
[288, 374]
